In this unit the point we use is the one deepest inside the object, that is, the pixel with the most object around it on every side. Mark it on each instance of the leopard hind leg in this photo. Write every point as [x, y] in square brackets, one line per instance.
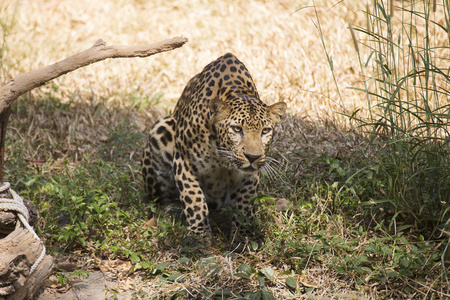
[157, 162]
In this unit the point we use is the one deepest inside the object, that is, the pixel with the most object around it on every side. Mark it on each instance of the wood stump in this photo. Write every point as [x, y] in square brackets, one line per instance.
[20, 249]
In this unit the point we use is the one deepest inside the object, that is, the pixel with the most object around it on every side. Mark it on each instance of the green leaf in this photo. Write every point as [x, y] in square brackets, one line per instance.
[246, 269]
[392, 274]
[402, 228]
[223, 292]
[255, 295]
[261, 280]
[162, 266]
[266, 295]
[135, 258]
[145, 265]
[291, 282]
[206, 293]
[404, 262]
[254, 245]
[242, 275]
[184, 260]
[216, 270]
[174, 277]
[209, 260]
[268, 272]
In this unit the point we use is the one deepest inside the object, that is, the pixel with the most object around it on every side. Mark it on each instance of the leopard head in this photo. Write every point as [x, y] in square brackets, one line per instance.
[244, 130]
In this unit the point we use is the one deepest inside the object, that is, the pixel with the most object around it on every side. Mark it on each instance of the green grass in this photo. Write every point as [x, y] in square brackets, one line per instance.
[91, 202]
[409, 112]
[403, 189]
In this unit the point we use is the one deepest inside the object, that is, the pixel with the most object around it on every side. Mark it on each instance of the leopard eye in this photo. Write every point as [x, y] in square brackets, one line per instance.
[236, 129]
[266, 130]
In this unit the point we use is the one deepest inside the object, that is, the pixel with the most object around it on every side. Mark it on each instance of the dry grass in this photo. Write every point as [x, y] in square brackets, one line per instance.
[279, 46]
[278, 43]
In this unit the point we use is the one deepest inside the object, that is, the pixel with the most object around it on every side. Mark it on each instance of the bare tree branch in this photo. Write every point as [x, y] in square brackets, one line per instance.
[28, 81]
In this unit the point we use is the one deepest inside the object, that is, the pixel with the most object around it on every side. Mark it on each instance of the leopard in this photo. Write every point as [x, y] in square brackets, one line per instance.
[210, 151]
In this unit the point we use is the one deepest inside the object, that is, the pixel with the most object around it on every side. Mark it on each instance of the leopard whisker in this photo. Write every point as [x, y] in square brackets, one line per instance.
[272, 172]
[268, 171]
[273, 160]
[225, 153]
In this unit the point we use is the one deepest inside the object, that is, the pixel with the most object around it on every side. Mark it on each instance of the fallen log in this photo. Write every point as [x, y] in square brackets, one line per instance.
[23, 263]
[20, 251]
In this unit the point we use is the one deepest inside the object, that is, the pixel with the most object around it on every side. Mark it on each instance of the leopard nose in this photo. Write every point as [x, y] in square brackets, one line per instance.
[251, 158]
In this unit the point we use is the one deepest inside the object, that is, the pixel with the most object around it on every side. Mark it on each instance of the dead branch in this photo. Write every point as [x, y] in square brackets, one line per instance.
[28, 81]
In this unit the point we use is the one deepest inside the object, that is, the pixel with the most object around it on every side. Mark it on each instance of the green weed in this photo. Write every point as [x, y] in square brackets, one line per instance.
[262, 275]
[65, 277]
[122, 142]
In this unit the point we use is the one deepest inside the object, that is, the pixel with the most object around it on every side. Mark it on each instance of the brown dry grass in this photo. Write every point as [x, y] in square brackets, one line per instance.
[280, 47]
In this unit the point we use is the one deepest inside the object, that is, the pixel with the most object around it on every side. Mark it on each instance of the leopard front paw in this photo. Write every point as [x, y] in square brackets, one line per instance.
[199, 238]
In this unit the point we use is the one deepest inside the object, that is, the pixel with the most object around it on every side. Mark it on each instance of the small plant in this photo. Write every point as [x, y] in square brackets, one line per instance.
[262, 275]
[65, 277]
[121, 141]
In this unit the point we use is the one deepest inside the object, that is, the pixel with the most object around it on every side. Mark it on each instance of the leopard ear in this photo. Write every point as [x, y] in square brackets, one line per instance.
[276, 111]
[219, 109]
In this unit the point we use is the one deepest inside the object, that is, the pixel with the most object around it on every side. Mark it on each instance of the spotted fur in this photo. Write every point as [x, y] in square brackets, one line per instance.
[212, 147]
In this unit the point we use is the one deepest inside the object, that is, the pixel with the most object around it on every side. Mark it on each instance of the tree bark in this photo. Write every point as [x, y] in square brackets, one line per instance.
[7, 222]
[8, 219]
[20, 250]
[4, 117]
